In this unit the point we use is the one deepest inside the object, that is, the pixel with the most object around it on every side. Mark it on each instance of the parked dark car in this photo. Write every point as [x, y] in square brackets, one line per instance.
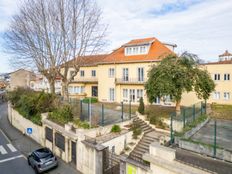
[42, 160]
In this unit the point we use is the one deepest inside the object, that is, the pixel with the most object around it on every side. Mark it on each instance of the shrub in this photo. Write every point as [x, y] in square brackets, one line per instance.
[93, 100]
[141, 106]
[115, 128]
[136, 130]
[31, 104]
[81, 124]
[62, 115]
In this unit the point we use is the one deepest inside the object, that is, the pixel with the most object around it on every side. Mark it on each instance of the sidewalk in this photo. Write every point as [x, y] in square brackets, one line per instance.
[25, 144]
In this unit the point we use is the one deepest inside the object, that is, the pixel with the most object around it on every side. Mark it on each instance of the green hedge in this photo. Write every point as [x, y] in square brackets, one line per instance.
[62, 115]
[93, 100]
[31, 104]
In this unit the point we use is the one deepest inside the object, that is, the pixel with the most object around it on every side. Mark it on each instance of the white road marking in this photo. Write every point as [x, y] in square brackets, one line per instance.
[11, 147]
[12, 158]
[2, 150]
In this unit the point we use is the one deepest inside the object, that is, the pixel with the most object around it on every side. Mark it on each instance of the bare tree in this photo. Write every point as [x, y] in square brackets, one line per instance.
[51, 34]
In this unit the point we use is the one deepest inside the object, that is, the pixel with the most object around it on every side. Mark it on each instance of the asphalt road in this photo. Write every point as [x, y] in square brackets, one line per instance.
[11, 160]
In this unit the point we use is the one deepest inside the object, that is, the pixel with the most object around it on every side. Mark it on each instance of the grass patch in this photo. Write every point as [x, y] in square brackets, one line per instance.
[191, 125]
[221, 111]
[81, 124]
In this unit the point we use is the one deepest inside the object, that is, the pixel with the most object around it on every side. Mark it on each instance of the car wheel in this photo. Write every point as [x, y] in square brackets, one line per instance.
[36, 170]
[28, 161]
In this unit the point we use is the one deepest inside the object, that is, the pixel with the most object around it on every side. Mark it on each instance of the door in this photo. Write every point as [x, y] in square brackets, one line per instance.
[94, 91]
[74, 152]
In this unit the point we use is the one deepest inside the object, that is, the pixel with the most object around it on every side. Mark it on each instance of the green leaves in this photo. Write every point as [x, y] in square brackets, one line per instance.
[175, 75]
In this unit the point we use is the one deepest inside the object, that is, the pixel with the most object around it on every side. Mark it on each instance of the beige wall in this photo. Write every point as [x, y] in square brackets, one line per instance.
[221, 85]
[20, 78]
[105, 83]
[22, 124]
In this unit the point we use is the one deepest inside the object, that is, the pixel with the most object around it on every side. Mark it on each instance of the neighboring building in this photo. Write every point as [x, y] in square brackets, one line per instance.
[40, 83]
[20, 78]
[221, 73]
[120, 75]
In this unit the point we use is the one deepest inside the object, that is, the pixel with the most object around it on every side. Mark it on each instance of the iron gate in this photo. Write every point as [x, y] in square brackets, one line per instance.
[111, 162]
[74, 152]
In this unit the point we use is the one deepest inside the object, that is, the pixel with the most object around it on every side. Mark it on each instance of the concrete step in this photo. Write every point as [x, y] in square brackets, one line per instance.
[141, 150]
[149, 138]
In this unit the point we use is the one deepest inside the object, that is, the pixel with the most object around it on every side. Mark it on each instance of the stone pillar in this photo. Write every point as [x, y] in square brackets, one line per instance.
[67, 149]
[99, 162]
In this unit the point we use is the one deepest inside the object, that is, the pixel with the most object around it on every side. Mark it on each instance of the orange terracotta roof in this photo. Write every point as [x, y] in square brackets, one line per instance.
[90, 60]
[219, 62]
[226, 53]
[156, 52]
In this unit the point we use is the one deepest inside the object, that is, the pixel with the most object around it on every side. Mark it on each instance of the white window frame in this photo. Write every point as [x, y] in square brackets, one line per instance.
[93, 73]
[125, 74]
[125, 95]
[226, 96]
[111, 94]
[140, 74]
[216, 95]
[139, 94]
[227, 77]
[111, 72]
[217, 77]
[82, 73]
[132, 95]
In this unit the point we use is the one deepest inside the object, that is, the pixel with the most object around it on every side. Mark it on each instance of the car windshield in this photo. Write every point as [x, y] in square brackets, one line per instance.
[44, 153]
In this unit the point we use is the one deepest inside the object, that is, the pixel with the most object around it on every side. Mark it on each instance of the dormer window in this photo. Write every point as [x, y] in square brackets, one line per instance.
[136, 50]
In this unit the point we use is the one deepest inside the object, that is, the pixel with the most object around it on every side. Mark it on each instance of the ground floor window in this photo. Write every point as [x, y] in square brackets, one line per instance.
[94, 91]
[111, 94]
[157, 100]
[139, 94]
[76, 89]
[216, 95]
[125, 95]
[132, 95]
[226, 95]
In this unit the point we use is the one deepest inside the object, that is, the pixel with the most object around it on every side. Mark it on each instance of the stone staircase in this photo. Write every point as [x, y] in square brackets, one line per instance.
[143, 145]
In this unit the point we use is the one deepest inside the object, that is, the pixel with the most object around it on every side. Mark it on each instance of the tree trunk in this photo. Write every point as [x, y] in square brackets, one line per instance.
[52, 86]
[65, 90]
[178, 106]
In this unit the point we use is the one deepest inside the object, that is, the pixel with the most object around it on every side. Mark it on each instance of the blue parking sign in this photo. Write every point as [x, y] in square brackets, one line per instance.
[29, 130]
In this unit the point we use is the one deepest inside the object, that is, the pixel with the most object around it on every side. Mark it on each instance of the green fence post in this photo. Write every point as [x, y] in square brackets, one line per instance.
[205, 107]
[201, 107]
[184, 117]
[102, 115]
[171, 130]
[122, 112]
[81, 117]
[88, 110]
[130, 109]
[215, 139]
[194, 116]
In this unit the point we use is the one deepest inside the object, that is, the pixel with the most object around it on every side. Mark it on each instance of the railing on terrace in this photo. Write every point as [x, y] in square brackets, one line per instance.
[130, 81]
[86, 80]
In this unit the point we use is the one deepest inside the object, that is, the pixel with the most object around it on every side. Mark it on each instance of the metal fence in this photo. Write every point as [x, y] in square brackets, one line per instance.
[101, 113]
[187, 115]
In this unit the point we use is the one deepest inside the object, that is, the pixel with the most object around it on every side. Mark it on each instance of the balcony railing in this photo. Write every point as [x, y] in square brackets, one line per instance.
[129, 81]
[85, 80]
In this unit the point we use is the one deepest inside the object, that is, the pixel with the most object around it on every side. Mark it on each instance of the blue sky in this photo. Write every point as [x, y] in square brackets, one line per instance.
[202, 27]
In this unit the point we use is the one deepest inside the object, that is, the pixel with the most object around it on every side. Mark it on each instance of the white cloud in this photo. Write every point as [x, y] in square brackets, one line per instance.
[202, 27]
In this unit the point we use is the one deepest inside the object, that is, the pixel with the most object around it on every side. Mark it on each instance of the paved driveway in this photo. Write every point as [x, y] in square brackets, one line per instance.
[224, 134]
